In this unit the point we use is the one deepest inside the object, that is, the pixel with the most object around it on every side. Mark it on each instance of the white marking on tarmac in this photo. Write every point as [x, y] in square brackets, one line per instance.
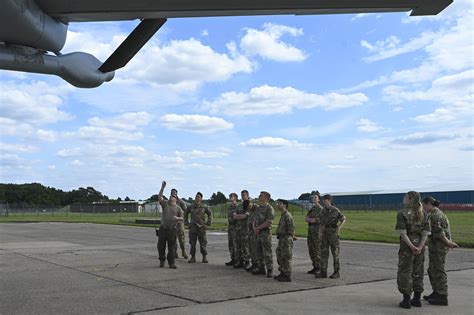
[24, 245]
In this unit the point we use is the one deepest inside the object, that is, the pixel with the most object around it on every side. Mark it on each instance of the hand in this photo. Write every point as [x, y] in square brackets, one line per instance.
[453, 245]
[204, 227]
[163, 184]
[416, 251]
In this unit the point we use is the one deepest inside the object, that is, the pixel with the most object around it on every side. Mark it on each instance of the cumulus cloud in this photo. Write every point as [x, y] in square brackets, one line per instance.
[268, 100]
[126, 121]
[455, 91]
[34, 103]
[272, 143]
[366, 125]
[113, 129]
[183, 65]
[195, 123]
[267, 43]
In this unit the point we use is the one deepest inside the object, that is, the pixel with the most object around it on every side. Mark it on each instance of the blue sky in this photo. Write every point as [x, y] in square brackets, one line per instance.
[287, 104]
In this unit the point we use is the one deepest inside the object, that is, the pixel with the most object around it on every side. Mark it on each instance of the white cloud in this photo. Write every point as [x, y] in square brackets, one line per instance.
[69, 152]
[105, 135]
[390, 47]
[47, 135]
[268, 100]
[455, 91]
[17, 148]
[35, 103]
[198, 154]
[205, 33]
[272, 143]
[183, 65]
[397, 109]
[195, 123]
[366, 125]
[424, 138]
[268, 45]
[77, 163]
[126, 121]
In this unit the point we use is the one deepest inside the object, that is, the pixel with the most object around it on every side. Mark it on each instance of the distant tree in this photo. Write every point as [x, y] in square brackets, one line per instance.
[119, 199]
[217, 198]
[153, 197]
[304, 196]
[127, 199]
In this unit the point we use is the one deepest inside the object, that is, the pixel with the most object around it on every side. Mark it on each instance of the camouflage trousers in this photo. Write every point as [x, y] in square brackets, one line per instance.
[437, 271]
[314, 245]
[231, 231]
[410, 271]
[180, 237]
[195, 234]
[241, 244]
[329, 240]
[166, 236]
[253, 246]
[264, 249]
[284, 253]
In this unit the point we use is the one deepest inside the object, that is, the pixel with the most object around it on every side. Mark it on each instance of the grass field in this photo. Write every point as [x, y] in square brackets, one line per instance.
[360, 226]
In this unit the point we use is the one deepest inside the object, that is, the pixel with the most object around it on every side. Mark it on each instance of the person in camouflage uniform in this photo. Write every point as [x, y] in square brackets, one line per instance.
[262, 227]
[439, 243]
[198, 226]
[249, 207]
[241, 244]
[314, 241]
[332, 220]
[414, 227]
[232, 229]
[170, 216]
[285, 235]
[180, 227]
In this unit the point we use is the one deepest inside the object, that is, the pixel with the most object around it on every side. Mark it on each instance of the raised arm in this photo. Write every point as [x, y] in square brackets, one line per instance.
[160, 194]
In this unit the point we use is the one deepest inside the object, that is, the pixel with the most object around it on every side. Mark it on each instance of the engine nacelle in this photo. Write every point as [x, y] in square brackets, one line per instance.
[78, 68]
[22, 22]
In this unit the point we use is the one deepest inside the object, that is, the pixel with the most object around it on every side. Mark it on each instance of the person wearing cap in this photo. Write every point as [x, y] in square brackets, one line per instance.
[314, 225]
[285, 235]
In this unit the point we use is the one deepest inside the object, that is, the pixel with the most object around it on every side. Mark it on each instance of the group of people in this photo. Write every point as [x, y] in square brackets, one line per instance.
[250, 238]
[420, 221]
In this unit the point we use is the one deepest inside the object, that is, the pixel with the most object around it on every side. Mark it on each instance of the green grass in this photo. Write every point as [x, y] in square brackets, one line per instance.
[360, 226]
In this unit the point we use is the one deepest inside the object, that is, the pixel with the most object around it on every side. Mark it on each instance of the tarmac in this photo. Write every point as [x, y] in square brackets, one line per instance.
[79, 268]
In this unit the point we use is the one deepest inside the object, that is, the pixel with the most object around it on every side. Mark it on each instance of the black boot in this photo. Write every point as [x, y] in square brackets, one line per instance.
[335, 275]
[284, 278]
[162, 263]
[278, 277]
[239, 265]
[249, 269]
[192, 260]
[431, 296]
[439, 300]
[204, 259]
[312, 271]
[406, 301]
[230, 263]
[259, 271]
[416, 301]
[321, 274]
[269, 273]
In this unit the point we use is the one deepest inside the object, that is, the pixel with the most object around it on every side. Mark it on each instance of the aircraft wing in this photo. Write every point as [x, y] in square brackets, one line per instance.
[112, 10]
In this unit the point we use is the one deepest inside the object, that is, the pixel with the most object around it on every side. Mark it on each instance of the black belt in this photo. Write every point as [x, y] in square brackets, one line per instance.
[313, 224]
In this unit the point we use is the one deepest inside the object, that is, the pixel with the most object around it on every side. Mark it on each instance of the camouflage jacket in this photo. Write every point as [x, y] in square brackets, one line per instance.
[264, 213]
[230, 214]
[252, 215]
[413, 228]
[286, 225]
[330, 217]
[240, 210]
[315, 213]
[439, 227]
[198, 215]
